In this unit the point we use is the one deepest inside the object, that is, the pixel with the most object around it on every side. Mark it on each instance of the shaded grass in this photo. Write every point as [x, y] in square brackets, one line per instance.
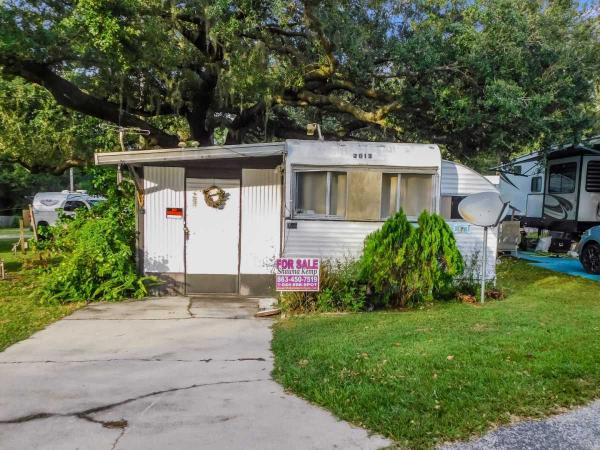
[21, 315]
[451, 370]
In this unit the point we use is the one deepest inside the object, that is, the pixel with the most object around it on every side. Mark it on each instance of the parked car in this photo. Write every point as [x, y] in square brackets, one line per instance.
[589, 250]
[46, 205]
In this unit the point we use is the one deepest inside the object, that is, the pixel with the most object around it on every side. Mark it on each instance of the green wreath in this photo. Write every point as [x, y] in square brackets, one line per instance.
[215, 197]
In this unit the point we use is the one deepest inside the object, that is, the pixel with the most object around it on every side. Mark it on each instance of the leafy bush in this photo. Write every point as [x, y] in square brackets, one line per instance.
[340, 291]
[96, 250]
[405, 265]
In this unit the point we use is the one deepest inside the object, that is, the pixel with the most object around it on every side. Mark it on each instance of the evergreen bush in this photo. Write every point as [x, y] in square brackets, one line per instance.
[433, 260]
[404, 265]
[382, 265]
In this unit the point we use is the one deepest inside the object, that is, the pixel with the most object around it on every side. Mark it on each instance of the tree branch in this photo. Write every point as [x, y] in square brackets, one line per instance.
[70, 96]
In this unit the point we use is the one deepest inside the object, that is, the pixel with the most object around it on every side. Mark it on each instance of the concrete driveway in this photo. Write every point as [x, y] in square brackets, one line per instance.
[158, 374]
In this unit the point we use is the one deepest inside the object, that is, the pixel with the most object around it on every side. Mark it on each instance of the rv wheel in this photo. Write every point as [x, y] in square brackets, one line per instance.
[590, 258]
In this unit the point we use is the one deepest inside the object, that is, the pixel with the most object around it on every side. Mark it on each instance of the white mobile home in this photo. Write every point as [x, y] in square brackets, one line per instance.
[214, 219]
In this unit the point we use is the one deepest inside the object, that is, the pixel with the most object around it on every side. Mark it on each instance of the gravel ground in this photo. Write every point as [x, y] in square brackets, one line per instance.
[576, 430]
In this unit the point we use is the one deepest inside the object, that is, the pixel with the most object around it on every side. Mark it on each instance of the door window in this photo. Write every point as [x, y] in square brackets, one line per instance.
[536, 184]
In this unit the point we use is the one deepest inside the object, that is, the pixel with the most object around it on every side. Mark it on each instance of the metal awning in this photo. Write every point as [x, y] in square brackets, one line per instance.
[190, 154]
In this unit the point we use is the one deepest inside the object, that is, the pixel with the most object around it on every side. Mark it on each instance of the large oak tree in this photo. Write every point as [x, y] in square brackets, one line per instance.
[479, 76]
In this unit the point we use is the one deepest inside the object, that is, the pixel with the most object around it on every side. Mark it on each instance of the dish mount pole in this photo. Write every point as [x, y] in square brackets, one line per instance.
[484, 263]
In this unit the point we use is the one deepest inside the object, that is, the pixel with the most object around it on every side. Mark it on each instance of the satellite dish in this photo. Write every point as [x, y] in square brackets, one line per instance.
[484, 209]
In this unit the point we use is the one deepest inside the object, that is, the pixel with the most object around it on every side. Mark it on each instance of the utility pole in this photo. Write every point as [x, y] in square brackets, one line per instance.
[71, 181]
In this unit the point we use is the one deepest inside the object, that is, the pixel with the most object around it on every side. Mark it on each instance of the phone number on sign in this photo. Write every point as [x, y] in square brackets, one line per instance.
[297, 282]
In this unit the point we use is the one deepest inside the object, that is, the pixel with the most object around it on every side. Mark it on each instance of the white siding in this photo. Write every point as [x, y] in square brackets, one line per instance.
[469, 239]
[261, 220]
[163, 237]
[460, 180]
[332, 239]
[341, 239]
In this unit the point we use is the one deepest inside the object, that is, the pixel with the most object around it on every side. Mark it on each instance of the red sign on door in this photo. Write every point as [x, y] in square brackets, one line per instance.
[174, 213]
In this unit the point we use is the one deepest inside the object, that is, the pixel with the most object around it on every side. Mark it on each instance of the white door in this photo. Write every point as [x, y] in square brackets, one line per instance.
[589, 197]
[213, 234]
[562, 187]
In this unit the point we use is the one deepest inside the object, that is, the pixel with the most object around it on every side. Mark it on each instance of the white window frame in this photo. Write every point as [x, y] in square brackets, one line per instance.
[295, 170]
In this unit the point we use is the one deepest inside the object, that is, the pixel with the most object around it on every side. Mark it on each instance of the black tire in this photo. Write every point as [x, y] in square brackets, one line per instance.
[590, 258]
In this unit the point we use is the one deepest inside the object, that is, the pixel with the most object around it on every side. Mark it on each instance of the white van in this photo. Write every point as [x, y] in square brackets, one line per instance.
[46, 205]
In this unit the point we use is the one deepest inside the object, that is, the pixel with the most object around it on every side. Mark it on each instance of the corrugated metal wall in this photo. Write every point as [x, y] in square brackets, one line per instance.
[460, 180]
[469, 239]
[341, 239]
[261, 220]
[334, 239]
[164, 188]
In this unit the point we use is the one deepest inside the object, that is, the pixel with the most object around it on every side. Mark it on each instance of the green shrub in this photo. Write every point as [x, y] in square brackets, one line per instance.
[95, 249]
[433, 260]
[405, 265]
[340, 291]
[382, 265]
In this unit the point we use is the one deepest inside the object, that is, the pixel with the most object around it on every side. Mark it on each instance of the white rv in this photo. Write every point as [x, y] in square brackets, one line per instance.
[46, 205]
[558, 190]
[214, 219]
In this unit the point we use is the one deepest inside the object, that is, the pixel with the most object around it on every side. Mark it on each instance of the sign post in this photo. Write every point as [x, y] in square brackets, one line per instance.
[297, 274]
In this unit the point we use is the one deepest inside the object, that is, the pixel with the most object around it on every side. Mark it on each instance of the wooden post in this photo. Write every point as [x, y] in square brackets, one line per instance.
[21, 236]
[2, 274]
[32, 220]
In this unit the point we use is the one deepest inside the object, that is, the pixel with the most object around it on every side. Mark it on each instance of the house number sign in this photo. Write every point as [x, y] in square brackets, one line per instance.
[297, 274]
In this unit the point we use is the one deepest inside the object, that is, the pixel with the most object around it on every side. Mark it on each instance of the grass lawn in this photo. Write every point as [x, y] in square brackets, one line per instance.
[447, 372]
[20, 314]
[14, 232]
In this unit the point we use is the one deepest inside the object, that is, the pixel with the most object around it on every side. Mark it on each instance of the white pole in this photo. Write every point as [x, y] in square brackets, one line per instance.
[71, 180]
[484, 263]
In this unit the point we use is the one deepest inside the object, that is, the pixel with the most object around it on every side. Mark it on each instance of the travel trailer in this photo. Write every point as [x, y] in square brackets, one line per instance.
[522, 184]
[46, 205]
[213, 220]
[557, 191]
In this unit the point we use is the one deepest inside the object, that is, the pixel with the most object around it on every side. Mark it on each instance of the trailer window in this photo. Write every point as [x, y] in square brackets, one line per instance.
[536, 184]
[321, 193]
[311, 188]
[390, 195]
[592, 179]
[416, 193]
[449, 207]
[361, 194]
[562, 178]
[364, 195]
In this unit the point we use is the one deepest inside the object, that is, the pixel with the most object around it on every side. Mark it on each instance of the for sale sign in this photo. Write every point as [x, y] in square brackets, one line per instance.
[297, 274]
